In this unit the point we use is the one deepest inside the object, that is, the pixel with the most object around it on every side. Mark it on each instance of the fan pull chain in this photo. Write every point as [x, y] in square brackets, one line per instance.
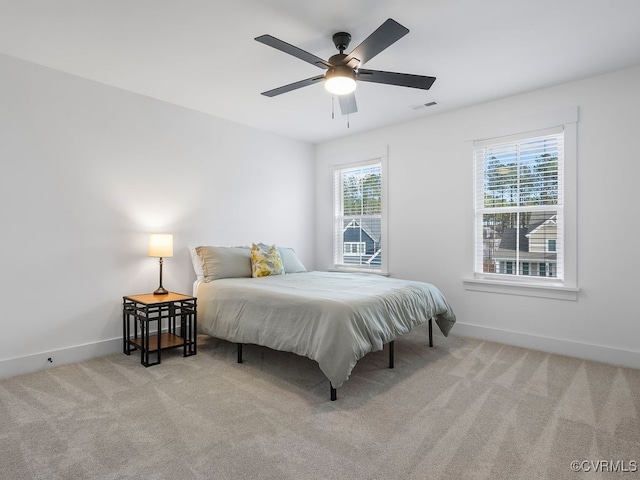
[333, 116]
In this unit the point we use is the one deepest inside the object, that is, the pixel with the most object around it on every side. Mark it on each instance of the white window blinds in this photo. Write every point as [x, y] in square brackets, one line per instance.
[358, 216]
[519, 205]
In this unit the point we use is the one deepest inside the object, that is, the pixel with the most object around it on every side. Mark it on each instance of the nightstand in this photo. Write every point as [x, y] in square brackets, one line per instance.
[176, 325]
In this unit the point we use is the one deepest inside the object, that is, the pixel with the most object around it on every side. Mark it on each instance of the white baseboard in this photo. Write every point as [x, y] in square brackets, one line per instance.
[598, 353]
[613, 356]
[41, 361]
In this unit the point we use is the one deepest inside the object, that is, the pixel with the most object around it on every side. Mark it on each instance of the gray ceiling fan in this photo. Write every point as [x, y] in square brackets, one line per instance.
[343, 70]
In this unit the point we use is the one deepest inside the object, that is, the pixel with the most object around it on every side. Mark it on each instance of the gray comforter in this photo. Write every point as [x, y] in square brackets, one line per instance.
[332, 318]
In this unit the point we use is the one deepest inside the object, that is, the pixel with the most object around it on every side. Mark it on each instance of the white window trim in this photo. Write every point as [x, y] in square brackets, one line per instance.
[362, 158]
[530, 285]
[361, 250]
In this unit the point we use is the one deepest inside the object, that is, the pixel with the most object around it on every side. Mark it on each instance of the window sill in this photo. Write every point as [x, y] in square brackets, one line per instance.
[359, 270]
[529, 290]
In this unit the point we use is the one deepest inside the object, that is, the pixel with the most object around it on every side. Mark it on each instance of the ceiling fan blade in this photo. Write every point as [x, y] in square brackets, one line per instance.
[393, 78]
[292, 86]
[348, 103]
[386, 34]
[291, 50]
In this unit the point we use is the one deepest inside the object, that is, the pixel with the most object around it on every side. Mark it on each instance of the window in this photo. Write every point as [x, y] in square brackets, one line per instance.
[355, 248]
[358, 216]
[519, 204]
[525, 204]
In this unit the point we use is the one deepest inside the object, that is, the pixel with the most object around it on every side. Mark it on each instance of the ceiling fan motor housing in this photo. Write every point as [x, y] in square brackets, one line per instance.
[340, 71]
[337, 59]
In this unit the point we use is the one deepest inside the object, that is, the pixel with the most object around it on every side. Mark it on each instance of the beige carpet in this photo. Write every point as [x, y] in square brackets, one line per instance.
[464, 409]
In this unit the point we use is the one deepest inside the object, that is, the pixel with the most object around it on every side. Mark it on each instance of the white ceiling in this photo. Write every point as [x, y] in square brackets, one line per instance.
[201, 54]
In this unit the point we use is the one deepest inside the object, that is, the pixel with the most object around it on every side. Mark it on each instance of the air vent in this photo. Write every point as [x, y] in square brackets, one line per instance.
[424, 105]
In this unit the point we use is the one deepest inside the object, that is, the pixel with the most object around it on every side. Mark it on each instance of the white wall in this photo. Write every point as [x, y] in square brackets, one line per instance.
[430, 218]
[88, 171]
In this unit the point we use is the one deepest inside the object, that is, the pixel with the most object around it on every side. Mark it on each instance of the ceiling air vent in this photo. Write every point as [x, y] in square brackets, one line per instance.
[424, 105]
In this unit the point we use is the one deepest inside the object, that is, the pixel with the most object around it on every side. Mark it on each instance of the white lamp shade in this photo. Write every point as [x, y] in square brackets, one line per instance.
[161, 245]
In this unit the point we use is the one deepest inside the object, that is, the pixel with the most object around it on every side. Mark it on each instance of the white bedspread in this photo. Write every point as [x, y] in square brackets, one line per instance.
[332, 318]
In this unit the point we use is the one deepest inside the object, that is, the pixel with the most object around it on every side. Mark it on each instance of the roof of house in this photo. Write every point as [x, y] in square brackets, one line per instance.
[371, 226]
[509, 236]
[507, 246]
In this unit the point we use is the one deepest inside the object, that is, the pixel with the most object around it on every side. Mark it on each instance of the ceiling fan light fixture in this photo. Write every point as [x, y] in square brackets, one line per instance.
[340, 80]
[344, 69]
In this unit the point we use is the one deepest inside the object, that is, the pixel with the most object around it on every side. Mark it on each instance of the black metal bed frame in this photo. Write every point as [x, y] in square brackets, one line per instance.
[333, 392]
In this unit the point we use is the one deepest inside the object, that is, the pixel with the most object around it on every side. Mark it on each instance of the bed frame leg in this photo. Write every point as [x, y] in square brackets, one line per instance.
[430, 333]
[334, 394]
[239, 353]
[391, 345]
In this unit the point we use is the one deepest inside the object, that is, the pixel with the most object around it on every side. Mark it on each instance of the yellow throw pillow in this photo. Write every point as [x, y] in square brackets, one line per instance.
[265, 262]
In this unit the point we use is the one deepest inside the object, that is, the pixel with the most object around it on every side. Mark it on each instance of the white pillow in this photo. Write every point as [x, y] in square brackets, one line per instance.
[197, 263]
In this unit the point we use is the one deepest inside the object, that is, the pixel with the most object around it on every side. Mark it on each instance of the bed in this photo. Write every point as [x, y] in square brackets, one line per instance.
[333, 318]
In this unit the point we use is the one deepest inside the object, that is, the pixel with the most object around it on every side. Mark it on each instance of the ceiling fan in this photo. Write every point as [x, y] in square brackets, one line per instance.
[344, 69]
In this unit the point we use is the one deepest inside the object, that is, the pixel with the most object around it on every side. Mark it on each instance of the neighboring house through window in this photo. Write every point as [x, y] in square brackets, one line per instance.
[359, 223]
[521, 214]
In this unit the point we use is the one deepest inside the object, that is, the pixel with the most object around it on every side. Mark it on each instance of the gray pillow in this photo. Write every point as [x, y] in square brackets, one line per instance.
[225, 262]
[290, 260]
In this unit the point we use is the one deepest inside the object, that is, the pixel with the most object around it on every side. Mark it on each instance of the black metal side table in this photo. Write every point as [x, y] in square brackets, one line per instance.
[181, 324]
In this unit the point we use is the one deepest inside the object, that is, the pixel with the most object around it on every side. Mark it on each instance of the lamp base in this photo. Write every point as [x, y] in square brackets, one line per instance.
[160, 291]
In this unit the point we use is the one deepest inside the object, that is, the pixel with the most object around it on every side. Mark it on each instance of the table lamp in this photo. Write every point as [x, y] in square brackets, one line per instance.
[160, 246]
